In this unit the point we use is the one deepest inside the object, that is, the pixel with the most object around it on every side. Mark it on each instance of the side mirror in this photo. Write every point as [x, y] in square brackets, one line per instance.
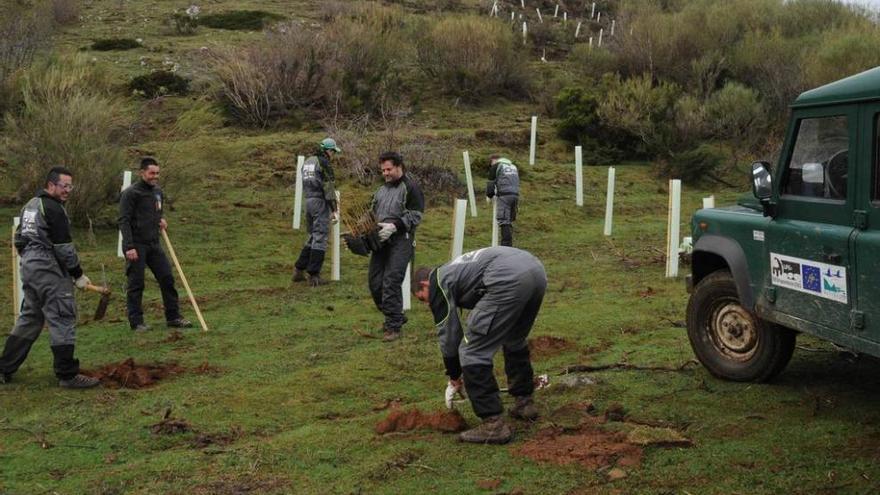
[762, 187]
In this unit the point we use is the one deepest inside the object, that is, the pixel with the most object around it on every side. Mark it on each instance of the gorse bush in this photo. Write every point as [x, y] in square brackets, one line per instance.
[68, 116]
[472, 57]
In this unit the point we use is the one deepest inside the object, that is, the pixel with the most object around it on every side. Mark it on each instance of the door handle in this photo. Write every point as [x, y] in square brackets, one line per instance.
[833, 258]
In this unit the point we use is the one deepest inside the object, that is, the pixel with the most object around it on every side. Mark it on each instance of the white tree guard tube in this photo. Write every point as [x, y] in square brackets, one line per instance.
[470, 183]
[534, 140]
[458, 228]
[672, 230]
[494, 221]
[579, 175]
[335, 272]
[126, 181]
[609, 201]
[17, 285]
[709, 202]
[298, 193]
[407, 293]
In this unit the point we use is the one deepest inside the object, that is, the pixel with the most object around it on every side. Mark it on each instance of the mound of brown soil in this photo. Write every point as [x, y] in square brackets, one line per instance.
[127, 374]
[414, 419]
[546, 345]
[590, 447]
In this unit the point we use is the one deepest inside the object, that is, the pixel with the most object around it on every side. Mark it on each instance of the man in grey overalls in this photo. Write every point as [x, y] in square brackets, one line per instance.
[321, 210]
[504, 183]
[398, 206]
[49, 266]
[503, 287]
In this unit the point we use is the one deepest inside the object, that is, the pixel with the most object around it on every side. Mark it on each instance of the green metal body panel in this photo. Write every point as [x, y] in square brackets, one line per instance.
[809, 235]
[861, 87]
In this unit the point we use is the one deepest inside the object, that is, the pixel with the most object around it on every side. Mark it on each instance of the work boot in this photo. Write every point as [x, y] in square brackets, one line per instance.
[141, 328]
[79, 381]
[493, 430]
[390, 335]
[180, 323]
[524, 408]
[316, 280]
[298, 275]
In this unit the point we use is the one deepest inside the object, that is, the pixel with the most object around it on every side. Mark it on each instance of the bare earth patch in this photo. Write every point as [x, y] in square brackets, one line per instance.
[589, 446]
[127, 374]
[414, 419]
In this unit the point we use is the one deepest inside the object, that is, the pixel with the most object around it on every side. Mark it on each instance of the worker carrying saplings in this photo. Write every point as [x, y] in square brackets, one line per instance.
[49, 270]
[503, 287]
[321, 209]
[504, 183]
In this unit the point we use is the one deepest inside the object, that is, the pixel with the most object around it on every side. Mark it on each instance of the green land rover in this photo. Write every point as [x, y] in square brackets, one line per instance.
[803, 257]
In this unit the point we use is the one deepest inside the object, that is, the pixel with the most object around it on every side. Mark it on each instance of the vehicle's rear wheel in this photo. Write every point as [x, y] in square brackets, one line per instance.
[729, 340]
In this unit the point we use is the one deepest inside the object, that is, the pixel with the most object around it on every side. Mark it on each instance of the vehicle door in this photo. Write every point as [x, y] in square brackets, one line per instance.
[866, 317]
[808, 242]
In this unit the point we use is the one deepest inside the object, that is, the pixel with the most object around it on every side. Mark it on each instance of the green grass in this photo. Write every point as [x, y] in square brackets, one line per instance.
[301, 385]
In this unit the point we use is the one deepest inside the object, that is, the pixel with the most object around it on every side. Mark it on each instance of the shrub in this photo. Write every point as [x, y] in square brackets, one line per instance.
[593, 63]
[370, 53]
[22, 34]
[736, 113]
[65, 11]
[772, 64]
[644, 110]
[110, 44]
[184, 23]
[69, 117]
[579, 123]
[472, 57]
[695, 165]
[159, 83]
[286, 71]
[841, 53]
[239, 20]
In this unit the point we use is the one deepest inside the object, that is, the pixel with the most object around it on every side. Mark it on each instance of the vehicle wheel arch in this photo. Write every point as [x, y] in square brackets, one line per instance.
[713, 253]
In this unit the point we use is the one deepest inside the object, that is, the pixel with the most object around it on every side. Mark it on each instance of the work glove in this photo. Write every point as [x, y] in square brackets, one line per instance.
[452, 388]
[488, 199]
[387, 229]
[334, 217]
[82, 282]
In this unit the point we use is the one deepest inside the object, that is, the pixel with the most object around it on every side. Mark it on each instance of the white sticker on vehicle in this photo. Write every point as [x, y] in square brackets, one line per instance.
[758, 235]
[809, 277]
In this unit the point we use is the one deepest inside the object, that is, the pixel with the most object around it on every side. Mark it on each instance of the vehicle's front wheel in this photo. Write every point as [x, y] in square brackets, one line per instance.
[729, 340]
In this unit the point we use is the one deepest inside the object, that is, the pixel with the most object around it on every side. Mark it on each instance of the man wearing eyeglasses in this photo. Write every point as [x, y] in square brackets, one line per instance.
[49, 270]
[140, 221]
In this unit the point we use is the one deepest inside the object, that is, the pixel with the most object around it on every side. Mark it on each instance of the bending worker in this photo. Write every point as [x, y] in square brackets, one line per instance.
[321, 210]
[140, 219]
[49, 267]
[398, 205]
[503, 287]
[504, 183]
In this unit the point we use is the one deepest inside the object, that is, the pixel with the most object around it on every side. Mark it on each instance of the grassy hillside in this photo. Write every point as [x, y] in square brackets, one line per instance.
[284, 393]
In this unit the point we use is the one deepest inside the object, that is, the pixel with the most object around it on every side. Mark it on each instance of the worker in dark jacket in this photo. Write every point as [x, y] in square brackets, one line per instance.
[140, 221]
[321, 210]
[49, 270]
[504, 183]
[398, 206]
[503, 287]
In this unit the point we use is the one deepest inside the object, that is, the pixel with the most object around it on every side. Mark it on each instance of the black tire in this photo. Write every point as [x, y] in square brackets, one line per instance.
[730, 341]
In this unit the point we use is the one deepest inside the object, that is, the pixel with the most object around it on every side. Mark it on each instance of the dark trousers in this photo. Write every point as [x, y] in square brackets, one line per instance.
[150, 255]
[387, 270]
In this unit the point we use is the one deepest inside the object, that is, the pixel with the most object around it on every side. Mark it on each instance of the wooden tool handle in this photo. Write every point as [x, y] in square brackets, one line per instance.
[98, 289]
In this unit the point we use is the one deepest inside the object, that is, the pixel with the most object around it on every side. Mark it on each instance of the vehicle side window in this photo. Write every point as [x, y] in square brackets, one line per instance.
[820, 160]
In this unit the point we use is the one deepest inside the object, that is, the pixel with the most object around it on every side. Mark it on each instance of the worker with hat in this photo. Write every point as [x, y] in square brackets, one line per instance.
[321, 210]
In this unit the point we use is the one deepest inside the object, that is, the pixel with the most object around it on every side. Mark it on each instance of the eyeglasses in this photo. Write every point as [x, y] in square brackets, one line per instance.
[64, 185]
